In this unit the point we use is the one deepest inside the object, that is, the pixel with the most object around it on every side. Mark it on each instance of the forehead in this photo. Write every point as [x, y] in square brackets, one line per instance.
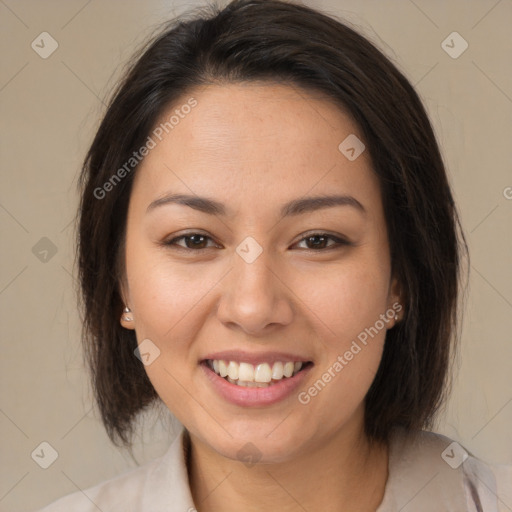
[243, 143]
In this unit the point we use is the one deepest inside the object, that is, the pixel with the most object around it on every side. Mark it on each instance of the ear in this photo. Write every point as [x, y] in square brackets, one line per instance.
[396, 299]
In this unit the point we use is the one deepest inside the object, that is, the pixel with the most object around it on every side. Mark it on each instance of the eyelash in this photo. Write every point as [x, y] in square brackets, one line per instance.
[339, 241]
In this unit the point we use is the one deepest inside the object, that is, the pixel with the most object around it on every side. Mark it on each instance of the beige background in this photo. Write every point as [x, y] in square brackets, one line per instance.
[50, 108]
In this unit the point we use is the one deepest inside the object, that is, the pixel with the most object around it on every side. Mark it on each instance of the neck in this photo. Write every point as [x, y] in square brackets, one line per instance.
[345, 473]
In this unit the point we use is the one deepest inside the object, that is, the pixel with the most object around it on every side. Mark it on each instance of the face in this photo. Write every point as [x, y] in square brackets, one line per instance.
[239, 277]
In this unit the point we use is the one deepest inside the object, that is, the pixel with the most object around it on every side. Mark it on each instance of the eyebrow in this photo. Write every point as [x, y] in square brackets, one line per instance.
[292, 208]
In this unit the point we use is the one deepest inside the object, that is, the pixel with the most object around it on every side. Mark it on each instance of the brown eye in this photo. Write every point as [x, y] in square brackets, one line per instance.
[318, 241]
[193, 241]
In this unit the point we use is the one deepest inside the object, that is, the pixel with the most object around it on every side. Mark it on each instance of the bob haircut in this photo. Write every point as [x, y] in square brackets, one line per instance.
[280, 42]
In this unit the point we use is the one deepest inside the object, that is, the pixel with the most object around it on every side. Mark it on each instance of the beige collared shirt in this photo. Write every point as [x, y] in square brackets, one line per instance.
[428, 473]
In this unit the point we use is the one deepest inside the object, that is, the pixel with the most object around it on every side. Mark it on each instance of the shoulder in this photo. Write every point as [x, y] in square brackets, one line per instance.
[116, 494]
[429, 471]
[155, 486]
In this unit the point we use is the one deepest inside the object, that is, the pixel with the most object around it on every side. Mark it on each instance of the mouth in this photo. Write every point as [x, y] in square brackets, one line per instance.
[261, 375]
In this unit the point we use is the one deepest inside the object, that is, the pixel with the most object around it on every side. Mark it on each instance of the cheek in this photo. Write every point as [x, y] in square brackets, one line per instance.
[167, 308]
[351, 336]
[164, 293]
[348, 303]
[346, 298]
[341, 387]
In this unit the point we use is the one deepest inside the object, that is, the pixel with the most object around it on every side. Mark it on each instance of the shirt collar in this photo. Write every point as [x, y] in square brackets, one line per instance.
[167, 483]
[418, 478]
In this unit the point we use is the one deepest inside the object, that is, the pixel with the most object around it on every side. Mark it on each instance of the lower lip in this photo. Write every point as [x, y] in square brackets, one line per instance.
[253, 397]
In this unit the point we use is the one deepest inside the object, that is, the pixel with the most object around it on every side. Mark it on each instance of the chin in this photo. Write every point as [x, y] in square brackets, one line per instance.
[267, 443]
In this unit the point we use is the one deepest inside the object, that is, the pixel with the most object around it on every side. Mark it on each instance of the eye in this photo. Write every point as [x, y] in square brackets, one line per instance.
[193, 241]
[318, 241]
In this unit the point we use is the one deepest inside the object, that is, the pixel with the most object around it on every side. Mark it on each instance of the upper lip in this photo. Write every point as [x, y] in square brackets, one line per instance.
[255, 358]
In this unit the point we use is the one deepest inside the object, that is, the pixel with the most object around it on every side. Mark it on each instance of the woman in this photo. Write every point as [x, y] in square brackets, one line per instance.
[268, 244]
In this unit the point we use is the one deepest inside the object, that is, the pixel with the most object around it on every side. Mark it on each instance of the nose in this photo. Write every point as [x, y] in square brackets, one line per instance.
[254, 297]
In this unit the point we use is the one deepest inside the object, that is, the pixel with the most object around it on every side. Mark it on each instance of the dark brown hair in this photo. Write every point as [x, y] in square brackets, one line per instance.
[286, 43]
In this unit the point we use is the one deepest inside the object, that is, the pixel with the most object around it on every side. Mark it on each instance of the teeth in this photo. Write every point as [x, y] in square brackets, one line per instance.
[277, 371]
[223, 369]
[263, 373]
[245, 372]
[288, 369]
[246, 384]
[233, 370]
[247, 375]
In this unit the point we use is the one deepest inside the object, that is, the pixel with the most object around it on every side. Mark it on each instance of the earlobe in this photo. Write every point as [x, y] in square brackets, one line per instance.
[127, 314]
[396, 300]
[127, 318]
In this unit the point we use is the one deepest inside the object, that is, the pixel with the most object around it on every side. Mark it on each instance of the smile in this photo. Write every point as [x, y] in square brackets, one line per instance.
[260, 384]
[249, 375]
